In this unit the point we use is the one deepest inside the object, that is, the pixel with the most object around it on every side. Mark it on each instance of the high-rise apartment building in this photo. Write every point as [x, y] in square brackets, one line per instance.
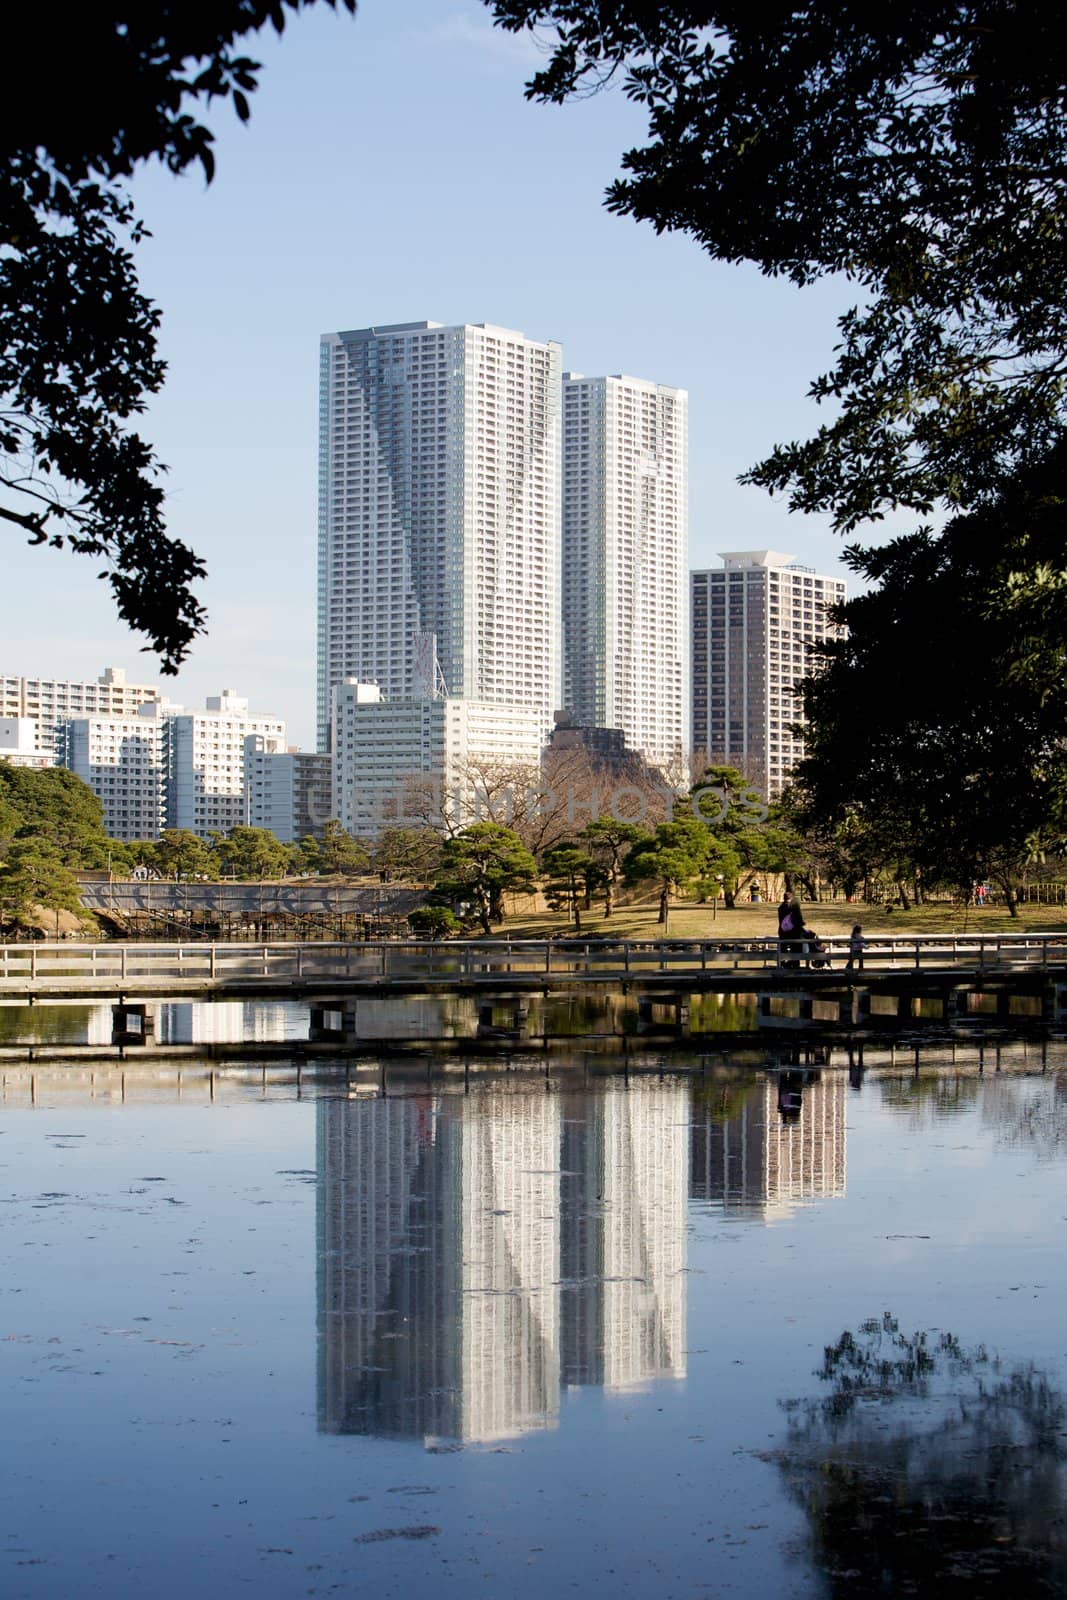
[756, 623]
[476, 1253]
[759, 1161]
[625, 560]
[439, 1266]
[623, 1163]
[50, 701]
[439, 507]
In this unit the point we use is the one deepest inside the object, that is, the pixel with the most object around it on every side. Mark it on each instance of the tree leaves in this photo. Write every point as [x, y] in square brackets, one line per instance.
[78, 351]
[921, 152]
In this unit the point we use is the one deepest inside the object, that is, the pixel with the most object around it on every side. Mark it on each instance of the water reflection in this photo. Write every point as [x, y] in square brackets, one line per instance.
[473, 1251]
[749, 1153]
[929, 1470]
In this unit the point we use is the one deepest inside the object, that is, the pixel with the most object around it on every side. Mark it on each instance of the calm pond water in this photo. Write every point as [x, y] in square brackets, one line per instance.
[732, 1334]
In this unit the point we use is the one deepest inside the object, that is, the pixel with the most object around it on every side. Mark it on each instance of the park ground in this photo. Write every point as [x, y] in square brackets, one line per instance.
[689, 920]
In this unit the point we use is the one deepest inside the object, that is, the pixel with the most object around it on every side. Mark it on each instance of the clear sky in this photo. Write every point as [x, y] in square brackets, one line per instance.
[392, 171]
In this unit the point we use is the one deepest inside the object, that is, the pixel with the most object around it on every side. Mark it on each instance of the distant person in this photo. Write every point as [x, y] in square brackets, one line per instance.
[856, 946]
[813, 948]
[790, 930]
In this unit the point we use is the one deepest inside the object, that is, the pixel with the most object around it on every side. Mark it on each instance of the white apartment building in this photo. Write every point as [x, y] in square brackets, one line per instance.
[124, 762]
[439, 516]
[756, 623]
[50, 701]
[18, 743]
[206, 781]
[287, 792]
[625, 560]
[166, 767]
[402, 762]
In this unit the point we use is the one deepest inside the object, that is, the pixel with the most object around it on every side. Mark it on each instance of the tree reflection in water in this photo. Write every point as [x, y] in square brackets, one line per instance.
[930, 1470]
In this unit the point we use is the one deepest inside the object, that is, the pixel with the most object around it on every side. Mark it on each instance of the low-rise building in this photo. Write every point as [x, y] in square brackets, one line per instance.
[206, 776]
[405, 762]
[124, 762]
[48, 702]
[18, 743]
[288, 791]
[166, 767]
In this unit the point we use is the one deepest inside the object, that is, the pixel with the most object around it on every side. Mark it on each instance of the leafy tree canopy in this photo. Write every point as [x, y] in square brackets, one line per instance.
[433, 922]
[911, 749]
[571, 873]
[252, 853]
[749, 838]
[53, 804]
[33, 875]
[921, 151]
[607, 840]
[674, 855]
[479, 865]
[78, 351]
[180, 853]
[340, 853]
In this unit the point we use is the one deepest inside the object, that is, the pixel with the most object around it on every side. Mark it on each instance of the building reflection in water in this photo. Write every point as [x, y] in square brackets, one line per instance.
[756, 1159]
[622, 1235]
[474, 1250]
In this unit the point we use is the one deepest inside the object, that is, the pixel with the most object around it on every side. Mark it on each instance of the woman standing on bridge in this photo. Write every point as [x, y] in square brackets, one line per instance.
[790, 927]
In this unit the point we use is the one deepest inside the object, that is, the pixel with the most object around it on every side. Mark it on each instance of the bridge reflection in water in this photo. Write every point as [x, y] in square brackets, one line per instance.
[479, 1253]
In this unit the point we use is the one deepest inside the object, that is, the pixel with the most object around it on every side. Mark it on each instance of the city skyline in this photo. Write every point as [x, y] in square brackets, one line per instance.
[527, 245]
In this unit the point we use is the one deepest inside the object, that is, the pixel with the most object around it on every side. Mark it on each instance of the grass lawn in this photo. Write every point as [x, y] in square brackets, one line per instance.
[691, 921]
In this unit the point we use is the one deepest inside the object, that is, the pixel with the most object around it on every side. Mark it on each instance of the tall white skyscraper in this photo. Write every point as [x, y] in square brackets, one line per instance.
[756, 623]
[439, 507]
[625, 560]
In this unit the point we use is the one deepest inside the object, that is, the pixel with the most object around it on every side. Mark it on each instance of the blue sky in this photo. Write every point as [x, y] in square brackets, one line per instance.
[392, 171]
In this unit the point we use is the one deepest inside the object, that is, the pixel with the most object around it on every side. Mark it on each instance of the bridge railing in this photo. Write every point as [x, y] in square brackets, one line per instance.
[595, 958]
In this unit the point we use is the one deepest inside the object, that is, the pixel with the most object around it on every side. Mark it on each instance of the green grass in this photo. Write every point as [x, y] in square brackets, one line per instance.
[691, 921]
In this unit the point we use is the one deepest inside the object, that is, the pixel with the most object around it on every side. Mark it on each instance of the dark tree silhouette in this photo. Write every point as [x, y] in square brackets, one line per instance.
[90, 95]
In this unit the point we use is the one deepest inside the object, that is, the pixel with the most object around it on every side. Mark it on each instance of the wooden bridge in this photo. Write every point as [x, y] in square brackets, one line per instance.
[35, 971]
[518, 986]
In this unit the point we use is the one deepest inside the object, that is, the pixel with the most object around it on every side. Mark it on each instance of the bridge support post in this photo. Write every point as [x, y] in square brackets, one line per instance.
[517, 1009]
[332, 1021]
[132, 1024]
[1055, 1003]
